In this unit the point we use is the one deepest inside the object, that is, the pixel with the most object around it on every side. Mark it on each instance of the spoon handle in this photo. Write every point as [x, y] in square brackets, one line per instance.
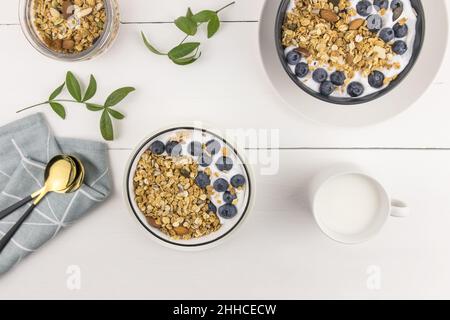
[8, 236]
[6, 212]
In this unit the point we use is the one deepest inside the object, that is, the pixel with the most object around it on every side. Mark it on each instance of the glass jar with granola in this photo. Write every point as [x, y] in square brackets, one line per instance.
[70, 30]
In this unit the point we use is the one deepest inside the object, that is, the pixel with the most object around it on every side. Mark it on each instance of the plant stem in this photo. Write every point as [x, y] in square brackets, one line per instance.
[187, 36]
[230, 4]
[47, 102]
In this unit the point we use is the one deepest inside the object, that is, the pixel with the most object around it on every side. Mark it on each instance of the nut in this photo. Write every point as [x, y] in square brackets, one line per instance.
[356, 24]
[304, 52]
[181, 231]
[68, 44]
[329, 15]
[152, 221]
[78, 23]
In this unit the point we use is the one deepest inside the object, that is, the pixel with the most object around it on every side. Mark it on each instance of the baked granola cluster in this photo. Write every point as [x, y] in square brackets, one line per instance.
[69, 26]
[327, 34]
[170, 199]
[346, 39]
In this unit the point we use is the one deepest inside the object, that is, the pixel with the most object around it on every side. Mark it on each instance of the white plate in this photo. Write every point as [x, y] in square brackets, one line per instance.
[386, 107]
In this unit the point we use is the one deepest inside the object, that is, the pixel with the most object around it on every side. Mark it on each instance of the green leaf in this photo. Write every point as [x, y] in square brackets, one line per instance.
[189, 13]
[94, 107]
[115, 114]
[59, 109]
[183, 50]
[91, 90]
[188, 60]
[150, 47]
[57, 92]
[213, 26]
[204, 16]
[186, 25]
[73, 86]
[117, 96]
[106, 126]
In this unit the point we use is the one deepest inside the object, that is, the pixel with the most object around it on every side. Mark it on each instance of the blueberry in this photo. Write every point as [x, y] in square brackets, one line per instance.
[355, 89]
[397, 9]
[195, 148]
[381, 4]
[204, 159]
[228, 197]
[293, 57]
[202, 180]
[301, 70]
[227, 211]
[364, 8]
[374, 23]
[376, 79]
[337, 78]
[211, 207]
[238, 181]
[326, 88]
[213, 147]
[224, 164]
[400, 47]
[395, 4]
[400, 30]
[173, 148]
[320, 75]
[387, 34]
[157, 147]
[220, 185]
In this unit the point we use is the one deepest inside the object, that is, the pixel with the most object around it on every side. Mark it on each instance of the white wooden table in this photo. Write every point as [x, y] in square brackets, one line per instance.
[279, 252]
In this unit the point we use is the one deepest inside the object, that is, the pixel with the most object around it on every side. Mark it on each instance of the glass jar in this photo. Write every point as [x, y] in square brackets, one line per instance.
[101, 44]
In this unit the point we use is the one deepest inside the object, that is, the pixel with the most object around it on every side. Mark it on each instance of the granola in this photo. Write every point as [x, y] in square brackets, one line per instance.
[69, 26]
[341, 38]
[167, 195]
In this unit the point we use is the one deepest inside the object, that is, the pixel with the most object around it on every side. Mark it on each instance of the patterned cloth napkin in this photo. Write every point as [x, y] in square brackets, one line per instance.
[26, 147]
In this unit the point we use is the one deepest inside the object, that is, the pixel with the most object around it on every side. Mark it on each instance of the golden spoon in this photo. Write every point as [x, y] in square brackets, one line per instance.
[79, 178]
[4, 213]
[60, 174]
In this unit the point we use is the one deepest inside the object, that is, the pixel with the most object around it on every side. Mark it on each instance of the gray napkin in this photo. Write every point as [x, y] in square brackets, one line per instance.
[26, 146]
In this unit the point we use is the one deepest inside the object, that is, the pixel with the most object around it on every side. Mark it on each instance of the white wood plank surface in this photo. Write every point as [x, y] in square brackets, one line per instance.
[227, 89]
[278, 253]
[144, 11]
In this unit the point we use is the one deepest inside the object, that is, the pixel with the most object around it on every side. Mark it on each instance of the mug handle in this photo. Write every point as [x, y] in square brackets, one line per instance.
[399, 209]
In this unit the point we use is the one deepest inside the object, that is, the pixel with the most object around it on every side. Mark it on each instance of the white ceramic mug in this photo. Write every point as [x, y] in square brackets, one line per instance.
[350, 206]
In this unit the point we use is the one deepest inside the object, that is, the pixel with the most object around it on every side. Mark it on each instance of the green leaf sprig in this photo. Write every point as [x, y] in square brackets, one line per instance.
[74, 88]
[188, 52]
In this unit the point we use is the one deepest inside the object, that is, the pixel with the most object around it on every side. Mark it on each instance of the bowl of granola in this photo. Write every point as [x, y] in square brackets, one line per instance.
[188, 187]
[349, 51]
[70, 30]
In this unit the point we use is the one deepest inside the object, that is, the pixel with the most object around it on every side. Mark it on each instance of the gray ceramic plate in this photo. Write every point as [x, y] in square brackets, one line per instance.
[407, 94]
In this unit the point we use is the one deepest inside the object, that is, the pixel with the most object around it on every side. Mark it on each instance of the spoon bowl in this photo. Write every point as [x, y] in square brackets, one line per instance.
[80, 174]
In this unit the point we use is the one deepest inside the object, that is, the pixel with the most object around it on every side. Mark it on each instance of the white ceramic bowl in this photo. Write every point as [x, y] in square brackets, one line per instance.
[229, 226]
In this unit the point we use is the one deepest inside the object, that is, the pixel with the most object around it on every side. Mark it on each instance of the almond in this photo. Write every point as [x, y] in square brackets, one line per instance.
[68, 44]
[304, 52]
[151, 221]
[329, 15]
[181, 231]
[67, 8]
[356, 24]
